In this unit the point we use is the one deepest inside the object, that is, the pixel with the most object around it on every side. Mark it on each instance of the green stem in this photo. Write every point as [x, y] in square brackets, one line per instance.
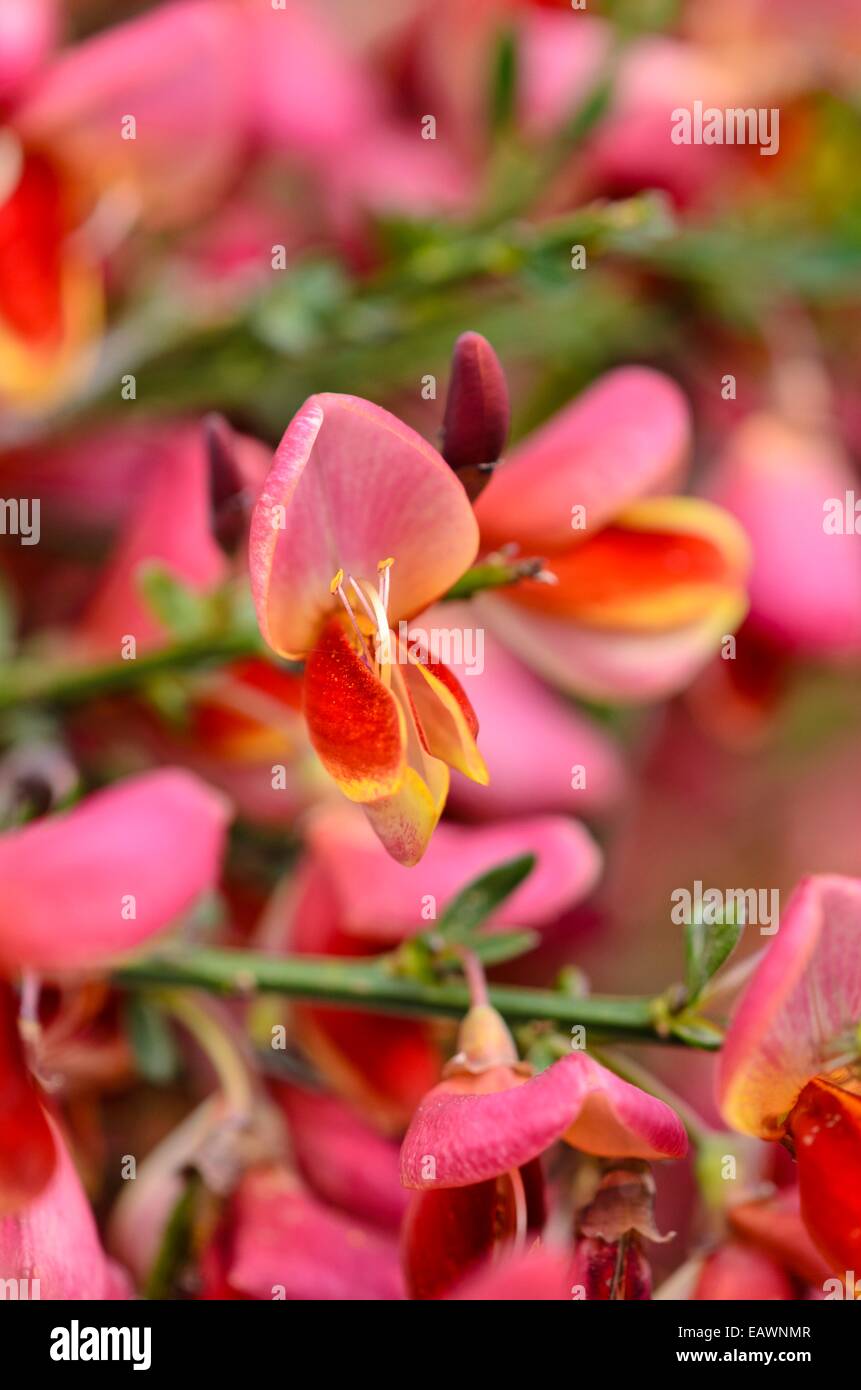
[493, 574]
[27, 682]
[375, 987]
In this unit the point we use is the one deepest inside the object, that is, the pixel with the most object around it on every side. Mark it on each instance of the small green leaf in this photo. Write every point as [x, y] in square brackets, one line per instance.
[707, 947]
[177, 1245]
[696, 1032]
[8, 620]
[498, 947]
[182, 611]
[504, 81]
[475, 903]
[590, 112]
[152, 1041]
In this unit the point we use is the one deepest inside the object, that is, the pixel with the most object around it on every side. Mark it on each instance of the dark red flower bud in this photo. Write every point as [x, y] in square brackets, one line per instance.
[229, 495]
[477, 412]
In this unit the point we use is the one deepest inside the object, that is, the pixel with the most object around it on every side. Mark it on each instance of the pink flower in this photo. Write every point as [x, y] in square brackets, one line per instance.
[789, 1066]
[385, 1065]
[113, 865]
[396, 904]
[28, 32]
[274, 1237]
[181, 71]
[361, 524]
[539, 1275]
[345, 1162]
[474, 1144]
[736, 1271]
[169, 522]
[27, 1149]
[78, 890]
[560, 761]
[276, 1241]
[53, 1245]
[805, 583]
[646, 584]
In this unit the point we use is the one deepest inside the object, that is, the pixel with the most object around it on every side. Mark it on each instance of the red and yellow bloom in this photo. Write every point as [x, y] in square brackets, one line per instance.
[361, 524]
[646, 583]
[790, 1069]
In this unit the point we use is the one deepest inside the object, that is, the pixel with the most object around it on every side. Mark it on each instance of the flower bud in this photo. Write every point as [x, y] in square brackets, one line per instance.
[229, 496]
[483, 1041]
[477, 412]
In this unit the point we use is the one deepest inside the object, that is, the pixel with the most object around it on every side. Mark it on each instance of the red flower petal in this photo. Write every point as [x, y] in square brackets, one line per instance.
[449, 1232]
[826, 1126]
[354, 721]
[27, 1153]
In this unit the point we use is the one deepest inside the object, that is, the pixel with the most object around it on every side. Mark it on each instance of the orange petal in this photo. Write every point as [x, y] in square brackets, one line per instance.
[826, 1126]
[355, 723]
[665, 563]
[249, 712]
[445, 718]
[31, 236]
[50, 298]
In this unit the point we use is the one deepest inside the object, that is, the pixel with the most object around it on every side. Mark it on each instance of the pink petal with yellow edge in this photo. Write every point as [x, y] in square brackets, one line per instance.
[351, 486]
[805, 585]
[54, 1240]
[181, 70]
[533, 772]
[626, 437]
[473, 1137]
[389, 908]
[664, 563]
[66, 882]
[799, 1013]
[628, 667]
[169, 524]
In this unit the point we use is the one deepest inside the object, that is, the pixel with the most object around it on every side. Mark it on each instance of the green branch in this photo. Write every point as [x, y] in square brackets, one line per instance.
[27, 682]
[376, 987]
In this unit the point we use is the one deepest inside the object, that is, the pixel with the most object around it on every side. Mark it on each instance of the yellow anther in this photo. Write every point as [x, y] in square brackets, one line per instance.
[336, 582]
[385, 564]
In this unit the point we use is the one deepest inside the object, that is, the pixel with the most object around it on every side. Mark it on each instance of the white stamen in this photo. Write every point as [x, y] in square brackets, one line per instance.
[337, 587]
